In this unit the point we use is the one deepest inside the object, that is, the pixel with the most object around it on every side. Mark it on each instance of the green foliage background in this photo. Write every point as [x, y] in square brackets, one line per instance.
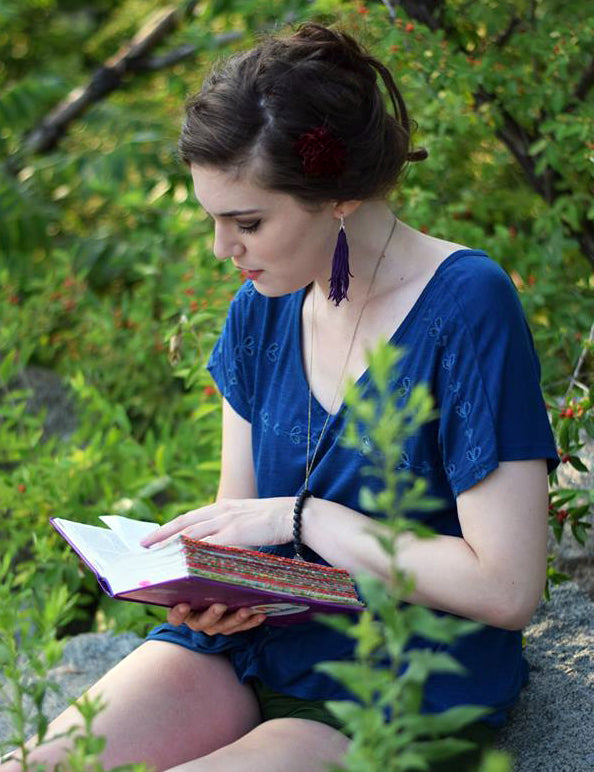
[105, 258]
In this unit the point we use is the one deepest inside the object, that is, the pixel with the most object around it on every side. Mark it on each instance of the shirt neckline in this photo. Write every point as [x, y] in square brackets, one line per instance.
[397, 334]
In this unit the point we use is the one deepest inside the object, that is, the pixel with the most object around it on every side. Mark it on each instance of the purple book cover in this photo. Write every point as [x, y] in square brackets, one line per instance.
[200, 592]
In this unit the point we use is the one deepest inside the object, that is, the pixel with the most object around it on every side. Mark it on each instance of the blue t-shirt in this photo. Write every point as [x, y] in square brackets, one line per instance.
[467, 338]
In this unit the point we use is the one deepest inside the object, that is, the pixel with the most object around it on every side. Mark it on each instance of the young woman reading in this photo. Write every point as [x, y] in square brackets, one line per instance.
[293, 149]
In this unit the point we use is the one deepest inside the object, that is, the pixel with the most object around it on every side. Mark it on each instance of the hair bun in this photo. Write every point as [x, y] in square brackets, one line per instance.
[335, 45]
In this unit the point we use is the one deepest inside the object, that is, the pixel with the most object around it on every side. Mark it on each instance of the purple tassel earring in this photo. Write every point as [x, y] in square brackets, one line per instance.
[339, 281]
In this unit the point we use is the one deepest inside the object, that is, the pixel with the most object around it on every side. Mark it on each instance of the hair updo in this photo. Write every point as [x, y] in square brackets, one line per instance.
[315, 85]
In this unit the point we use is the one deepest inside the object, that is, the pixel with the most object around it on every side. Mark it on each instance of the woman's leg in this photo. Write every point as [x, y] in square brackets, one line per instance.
[278, 745]
[165, 706]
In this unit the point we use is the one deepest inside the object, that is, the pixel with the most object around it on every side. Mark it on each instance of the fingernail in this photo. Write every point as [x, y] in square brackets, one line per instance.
[146, 540]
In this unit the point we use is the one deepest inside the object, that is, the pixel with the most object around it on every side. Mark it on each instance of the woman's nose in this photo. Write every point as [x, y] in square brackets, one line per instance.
[225, 246]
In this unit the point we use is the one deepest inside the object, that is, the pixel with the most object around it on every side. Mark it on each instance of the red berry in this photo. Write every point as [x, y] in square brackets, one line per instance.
[569, 412]
[209, 391]
[561, 516]
[21, 488]
[410, 27]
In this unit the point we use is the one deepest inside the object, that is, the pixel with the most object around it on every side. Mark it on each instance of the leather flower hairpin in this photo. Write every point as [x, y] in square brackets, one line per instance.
[321, 152]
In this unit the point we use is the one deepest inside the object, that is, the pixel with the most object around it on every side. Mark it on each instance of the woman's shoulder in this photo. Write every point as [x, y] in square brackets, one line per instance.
[468, 285]
[472, 274]
[462, 272]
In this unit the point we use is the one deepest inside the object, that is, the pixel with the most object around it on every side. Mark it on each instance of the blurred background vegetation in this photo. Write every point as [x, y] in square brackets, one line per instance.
[110, 299]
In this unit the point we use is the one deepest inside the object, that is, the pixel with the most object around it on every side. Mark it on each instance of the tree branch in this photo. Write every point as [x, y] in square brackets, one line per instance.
[505, 36]
[585, 84]
[107, 78]
[428, 12]
[391, 11]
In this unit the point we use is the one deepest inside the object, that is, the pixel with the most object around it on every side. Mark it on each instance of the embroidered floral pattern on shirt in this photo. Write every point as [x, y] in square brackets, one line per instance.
[462, 407]
[448, 362]
[247, 346]
[272, 352]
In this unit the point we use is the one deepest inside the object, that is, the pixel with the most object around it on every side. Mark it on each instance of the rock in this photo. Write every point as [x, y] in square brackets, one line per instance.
[85, 659]
[550, 728]
[48, 391]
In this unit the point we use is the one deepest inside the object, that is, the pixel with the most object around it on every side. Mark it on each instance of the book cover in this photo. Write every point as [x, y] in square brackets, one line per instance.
[190, 571]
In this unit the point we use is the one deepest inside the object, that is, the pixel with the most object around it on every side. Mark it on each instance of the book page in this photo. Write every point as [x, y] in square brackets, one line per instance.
[98, 546]
[129, 531]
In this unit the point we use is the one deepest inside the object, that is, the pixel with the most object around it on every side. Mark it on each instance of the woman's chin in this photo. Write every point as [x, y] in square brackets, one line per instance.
[275, 289]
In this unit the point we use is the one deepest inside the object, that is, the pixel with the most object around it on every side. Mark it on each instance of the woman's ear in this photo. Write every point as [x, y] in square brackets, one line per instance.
[345, 208]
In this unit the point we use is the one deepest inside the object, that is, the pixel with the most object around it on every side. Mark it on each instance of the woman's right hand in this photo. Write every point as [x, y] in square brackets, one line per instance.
[215, 619]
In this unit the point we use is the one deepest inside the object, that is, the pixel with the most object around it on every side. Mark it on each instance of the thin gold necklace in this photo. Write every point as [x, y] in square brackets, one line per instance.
[309, 464]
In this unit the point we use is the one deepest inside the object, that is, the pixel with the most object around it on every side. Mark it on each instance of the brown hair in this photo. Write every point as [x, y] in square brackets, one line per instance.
[257, 104]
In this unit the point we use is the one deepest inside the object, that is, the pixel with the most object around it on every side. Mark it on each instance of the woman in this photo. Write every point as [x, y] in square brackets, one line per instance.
[292, 151]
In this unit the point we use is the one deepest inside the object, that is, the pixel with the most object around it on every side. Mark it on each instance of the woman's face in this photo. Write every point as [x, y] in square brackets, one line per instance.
[268, 235]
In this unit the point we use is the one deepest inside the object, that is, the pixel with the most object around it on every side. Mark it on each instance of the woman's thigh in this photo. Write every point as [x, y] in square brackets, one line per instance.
[165, 705]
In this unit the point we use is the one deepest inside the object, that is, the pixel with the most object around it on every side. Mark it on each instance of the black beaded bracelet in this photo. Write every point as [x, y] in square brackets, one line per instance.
[298, 509]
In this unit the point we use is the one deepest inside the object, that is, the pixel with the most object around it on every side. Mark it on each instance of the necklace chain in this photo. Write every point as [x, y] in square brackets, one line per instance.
[309, 464]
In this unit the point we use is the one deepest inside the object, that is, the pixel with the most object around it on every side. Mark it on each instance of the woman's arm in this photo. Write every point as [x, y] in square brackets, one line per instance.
[237, 480]
[494, 574]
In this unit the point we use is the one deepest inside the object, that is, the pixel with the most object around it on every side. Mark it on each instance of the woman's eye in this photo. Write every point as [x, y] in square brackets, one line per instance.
[248, 228]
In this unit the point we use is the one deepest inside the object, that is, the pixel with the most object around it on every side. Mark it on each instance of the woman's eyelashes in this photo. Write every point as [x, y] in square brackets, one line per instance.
[249, 228]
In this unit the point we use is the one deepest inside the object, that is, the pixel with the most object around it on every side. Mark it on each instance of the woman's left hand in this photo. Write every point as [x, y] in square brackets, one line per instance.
[237, 522]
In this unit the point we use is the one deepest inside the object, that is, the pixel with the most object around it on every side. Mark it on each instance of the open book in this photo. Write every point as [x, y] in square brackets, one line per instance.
[196, 572]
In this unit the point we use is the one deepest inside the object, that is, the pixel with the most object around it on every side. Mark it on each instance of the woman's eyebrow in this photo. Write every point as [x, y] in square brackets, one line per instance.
[236, 212]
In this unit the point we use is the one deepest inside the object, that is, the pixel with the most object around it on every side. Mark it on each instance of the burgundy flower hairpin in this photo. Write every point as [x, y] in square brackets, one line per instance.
[321, 152]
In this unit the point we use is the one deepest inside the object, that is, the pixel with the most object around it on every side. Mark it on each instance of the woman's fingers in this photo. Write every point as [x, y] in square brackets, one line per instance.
[215, 619]
[179, 524]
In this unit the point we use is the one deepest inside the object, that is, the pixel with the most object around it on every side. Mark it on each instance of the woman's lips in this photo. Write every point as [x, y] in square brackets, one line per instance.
[250, 274]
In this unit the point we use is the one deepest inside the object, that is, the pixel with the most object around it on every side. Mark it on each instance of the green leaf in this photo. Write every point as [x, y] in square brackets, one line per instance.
[442, 628]
[452, 720]
[150, 489]
[435, 750]
[368, 500]
[423, 662]
[578, 464]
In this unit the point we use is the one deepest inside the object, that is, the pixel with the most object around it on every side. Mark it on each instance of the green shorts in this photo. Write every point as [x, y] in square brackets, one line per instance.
[276, 705]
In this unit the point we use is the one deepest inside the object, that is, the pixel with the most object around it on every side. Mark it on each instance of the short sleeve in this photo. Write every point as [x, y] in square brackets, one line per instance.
[231, 361]
[491, 407]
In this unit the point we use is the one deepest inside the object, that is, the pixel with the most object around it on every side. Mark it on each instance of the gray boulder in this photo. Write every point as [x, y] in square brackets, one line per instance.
[47, 392]
[551, 727]
[84, 660]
